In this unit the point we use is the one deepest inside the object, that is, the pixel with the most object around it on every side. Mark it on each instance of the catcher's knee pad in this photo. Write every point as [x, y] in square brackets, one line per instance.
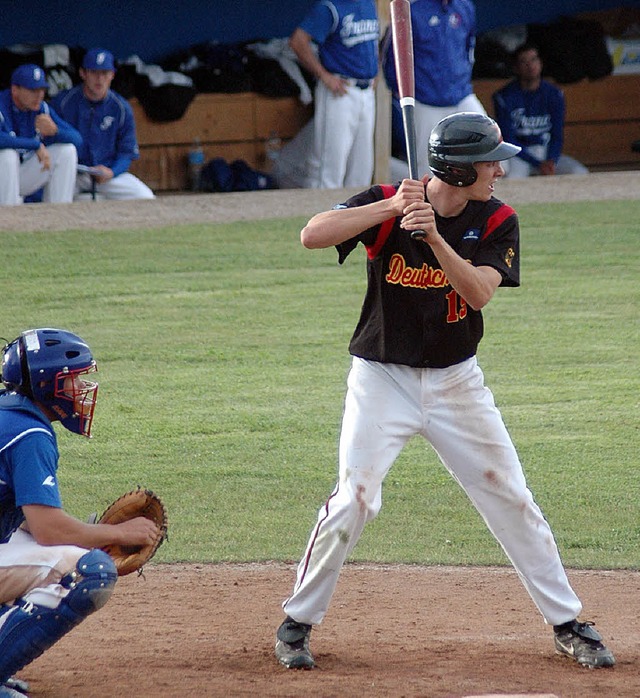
[27, 630]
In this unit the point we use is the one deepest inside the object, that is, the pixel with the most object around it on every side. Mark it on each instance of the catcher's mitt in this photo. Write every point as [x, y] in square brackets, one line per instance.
[138, 502]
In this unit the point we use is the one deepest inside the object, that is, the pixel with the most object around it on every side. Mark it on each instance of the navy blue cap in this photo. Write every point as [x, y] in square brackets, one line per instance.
[30, 76]
[98, 59]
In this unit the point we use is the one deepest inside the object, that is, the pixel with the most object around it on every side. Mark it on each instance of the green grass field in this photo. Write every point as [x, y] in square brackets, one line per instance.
[222, 352]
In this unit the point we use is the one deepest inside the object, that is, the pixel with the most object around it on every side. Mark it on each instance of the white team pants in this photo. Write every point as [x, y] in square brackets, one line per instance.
[519, 168]
[18, 180]
[387, 404]
[343, 138]
[33, 571]
[124, 186]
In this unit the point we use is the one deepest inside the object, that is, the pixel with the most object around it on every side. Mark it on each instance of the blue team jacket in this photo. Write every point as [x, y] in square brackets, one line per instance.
[18, 131]
[108, 128]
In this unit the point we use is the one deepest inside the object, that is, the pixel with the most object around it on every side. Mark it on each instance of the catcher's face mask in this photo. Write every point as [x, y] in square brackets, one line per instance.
[81, 395]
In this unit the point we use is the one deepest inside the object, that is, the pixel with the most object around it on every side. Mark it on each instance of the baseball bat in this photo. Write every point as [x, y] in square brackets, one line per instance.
[402, 36]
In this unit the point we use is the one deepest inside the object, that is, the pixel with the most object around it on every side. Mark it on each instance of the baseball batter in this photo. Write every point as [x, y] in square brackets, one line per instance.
[346, 64]
[414, 371]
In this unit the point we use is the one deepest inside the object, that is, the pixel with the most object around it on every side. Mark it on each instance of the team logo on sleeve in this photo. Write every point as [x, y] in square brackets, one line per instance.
[509, 256]
[472, 234]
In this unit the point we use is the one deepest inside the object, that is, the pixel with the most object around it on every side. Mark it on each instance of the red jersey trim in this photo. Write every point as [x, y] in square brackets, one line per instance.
[496, 219]
[385, 228]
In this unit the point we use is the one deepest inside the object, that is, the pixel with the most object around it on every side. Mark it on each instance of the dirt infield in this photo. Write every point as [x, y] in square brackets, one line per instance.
[209, 630]
[221, 208]
[392, 631]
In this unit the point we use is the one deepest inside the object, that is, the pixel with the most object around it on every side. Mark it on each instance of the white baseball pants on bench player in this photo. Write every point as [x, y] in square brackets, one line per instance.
[387, 404]
[19, 179]
[124, 186]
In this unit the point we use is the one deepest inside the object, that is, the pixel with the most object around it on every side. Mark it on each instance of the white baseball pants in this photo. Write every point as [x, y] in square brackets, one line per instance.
[34, 571]
[19, 179]
[387, 404]
[124, 186]
[343, 138]
[519, 168]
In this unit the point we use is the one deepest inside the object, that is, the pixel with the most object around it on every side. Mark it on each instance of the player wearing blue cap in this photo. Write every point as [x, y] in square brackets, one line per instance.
[37, 148]
[105, 120]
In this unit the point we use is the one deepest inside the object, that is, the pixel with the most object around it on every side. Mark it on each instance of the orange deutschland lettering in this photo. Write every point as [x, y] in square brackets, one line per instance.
[424, 277]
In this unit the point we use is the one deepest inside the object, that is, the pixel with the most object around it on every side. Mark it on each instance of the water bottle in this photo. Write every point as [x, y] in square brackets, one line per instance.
[196, 163]
[272, 149]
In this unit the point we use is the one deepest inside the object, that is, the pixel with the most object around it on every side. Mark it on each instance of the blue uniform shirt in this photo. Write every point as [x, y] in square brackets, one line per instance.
[347, 33]
[107, 127]
[28, 461]
[443, 45]
[18, 131]
[531, 117]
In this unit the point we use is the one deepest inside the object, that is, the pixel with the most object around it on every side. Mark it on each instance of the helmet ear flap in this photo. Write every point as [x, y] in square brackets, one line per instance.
[456, 175]
[25, 385]
[462, 176]
[15, 367]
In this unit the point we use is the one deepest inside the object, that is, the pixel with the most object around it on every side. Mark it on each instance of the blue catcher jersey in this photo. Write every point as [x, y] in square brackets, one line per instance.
[28, 461]
[347, 32]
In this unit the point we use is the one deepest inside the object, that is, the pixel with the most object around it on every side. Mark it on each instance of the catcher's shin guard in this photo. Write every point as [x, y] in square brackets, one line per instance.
[27, 630]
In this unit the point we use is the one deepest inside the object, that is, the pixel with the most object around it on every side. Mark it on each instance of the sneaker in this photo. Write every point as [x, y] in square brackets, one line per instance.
[292, 645]
[8, 692]
[582, 642]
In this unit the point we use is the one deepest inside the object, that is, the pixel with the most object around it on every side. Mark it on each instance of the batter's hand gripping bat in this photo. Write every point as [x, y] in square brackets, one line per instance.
[402, 36]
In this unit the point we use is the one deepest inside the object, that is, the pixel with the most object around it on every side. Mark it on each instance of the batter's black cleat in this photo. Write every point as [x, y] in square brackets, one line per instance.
[292, 645]
[581, 642]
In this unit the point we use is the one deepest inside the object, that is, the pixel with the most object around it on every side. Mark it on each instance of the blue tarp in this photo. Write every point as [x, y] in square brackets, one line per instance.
[153, 28]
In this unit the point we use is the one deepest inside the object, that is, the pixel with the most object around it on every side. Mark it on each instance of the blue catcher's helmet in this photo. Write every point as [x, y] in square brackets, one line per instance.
[46, 365]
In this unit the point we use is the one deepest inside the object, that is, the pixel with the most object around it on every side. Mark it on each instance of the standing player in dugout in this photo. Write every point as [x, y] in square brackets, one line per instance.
[414, 371]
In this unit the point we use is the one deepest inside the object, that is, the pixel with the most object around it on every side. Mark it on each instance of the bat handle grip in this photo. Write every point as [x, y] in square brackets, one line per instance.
[412, 159]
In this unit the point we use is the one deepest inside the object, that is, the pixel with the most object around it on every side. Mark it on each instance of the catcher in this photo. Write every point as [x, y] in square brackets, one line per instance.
[53, 571]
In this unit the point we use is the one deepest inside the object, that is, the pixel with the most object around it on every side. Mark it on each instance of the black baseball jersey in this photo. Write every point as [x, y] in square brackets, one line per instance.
[411, 314]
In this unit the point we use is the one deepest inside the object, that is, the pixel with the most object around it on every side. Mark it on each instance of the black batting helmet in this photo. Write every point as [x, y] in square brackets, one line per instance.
[461, 139]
